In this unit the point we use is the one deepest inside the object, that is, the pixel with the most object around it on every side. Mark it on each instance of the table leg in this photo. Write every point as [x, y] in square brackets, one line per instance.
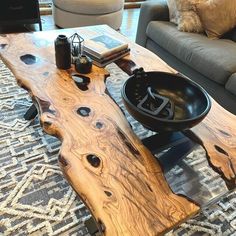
[31, 113]
[177, 145]
[40, 25]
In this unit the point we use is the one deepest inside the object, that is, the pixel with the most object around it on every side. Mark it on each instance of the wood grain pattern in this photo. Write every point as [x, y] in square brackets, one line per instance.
[217, 133]
[106, 164]
[114, 174]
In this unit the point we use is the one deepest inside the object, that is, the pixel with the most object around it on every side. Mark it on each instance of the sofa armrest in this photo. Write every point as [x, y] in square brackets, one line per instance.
[150, 11]
[231, 84]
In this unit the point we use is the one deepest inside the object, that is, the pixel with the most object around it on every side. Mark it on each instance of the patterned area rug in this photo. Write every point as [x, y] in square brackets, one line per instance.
[35, 199]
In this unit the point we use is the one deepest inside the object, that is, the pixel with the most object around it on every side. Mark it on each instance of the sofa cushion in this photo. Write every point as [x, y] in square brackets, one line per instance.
[216, 59]
[231, 84]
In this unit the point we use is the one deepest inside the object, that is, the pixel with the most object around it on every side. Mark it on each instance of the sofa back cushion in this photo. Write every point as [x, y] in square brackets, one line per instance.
[215, 59]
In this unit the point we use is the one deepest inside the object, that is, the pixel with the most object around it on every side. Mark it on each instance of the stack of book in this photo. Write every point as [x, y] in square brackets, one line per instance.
[104, 49]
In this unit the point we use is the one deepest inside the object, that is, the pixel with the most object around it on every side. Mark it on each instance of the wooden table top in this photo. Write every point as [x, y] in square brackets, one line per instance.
[104, 161]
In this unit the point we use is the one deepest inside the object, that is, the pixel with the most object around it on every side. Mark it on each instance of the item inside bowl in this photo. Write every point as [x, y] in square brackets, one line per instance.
[157, 105]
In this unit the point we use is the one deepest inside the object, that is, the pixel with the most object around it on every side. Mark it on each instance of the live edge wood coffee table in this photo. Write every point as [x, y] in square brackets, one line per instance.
[115, 175]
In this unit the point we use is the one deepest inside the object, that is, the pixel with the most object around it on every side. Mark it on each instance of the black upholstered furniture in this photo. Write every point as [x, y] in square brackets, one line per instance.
[13, 12]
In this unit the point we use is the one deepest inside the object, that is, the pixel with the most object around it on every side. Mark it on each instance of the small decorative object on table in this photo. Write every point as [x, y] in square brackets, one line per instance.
[105, 49]
[63, 52]
[83, 64]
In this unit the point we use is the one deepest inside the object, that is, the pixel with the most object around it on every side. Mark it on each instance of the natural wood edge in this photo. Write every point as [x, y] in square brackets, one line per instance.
[215, 134]
[217, 139]
[136, 192]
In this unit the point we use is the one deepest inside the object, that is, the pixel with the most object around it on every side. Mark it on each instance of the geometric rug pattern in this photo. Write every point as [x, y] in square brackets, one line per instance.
[35, 199]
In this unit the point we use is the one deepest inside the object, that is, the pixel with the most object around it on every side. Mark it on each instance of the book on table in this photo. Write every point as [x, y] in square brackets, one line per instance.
[104, 49]
[109, 59]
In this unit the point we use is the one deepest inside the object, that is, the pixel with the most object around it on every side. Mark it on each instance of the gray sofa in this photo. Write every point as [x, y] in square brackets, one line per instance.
[210, 63]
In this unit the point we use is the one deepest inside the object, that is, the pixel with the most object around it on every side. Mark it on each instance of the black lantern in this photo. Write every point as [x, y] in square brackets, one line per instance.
[83, 64]
[77, 46]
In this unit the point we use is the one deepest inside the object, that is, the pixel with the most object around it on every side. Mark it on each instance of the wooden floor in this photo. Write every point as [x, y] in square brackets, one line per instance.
[128, 27]
[130, 23]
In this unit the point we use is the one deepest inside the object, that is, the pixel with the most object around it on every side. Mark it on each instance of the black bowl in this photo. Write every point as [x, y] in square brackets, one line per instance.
[191, 102]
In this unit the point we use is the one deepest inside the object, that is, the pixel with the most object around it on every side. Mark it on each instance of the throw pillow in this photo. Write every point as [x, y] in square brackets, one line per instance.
[188, 20]
[173, 13]
[217, 16]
